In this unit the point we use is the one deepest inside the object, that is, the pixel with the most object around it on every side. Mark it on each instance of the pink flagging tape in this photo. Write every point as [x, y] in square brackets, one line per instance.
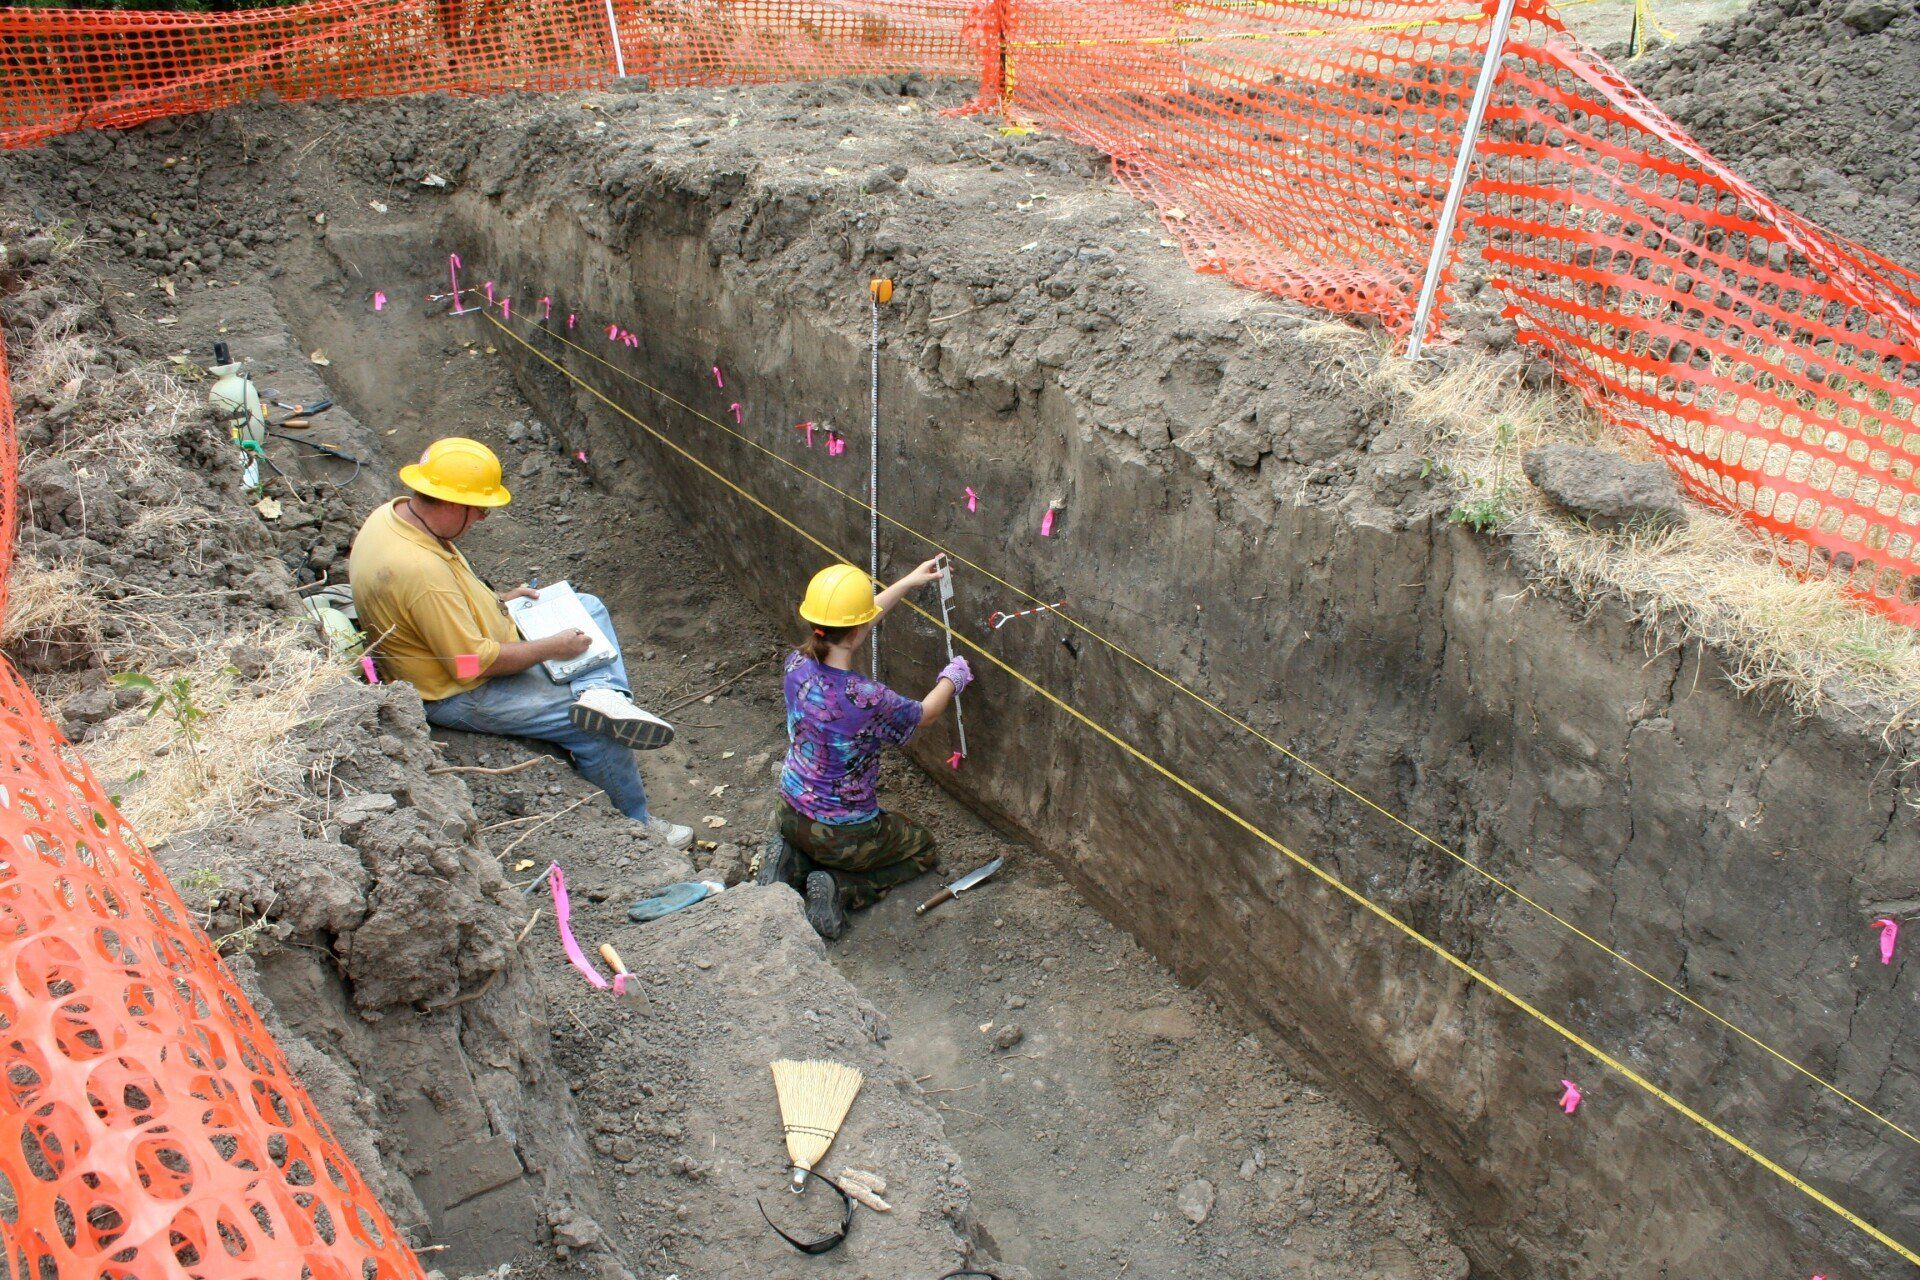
[808, 428]
[563, 916]
[1046, 524]
[953, 761]
[571, 318]
[613, 333]
[546, 308]
[466, 666]
[379, 300]
[1889, 934]
[488, 287]
[581, 454]
[735, 406]
[506, 308]
[631, 338]
[367, 669]
[1570, 1100]
[718, 381]
[973, 499]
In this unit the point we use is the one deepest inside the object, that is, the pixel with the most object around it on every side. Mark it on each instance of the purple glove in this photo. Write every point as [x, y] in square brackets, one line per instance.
[959, 672]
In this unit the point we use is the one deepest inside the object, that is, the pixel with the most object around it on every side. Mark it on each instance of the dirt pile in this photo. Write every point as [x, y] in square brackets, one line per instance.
[1817, 102]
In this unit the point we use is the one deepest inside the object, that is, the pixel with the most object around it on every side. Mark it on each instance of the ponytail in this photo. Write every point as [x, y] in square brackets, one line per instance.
[820, 640]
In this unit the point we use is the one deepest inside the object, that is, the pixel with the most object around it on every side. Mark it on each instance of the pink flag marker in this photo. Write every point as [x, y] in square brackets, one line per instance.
[808, 428]
[570, 319]
[466, 666]
[632, 339]
[953, 761]
[488, 286]
[1570, 1100]
[973, 499]
[1046, 524]
[546, 308]
[367, 669]
[582, 455]
[613, 333]
[718, 381]
[379, 300]
[453, 273]
[1889, 932]
[735, 406]
[506, 308]
[563, 916]
[836, 444]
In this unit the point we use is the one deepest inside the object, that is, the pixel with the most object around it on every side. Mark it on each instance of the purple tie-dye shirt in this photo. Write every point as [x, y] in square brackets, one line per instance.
[837, 721]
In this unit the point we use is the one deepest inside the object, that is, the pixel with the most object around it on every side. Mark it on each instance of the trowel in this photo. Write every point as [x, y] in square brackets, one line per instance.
[958, 887]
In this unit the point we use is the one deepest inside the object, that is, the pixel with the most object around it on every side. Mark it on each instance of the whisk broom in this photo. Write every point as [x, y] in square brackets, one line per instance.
[814, 1100]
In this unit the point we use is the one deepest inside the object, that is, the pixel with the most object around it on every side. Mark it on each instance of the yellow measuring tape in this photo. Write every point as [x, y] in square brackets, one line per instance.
[1122, 651]
[1206, 798]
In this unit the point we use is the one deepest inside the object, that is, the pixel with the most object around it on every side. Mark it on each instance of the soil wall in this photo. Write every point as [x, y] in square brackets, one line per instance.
[1242, 518]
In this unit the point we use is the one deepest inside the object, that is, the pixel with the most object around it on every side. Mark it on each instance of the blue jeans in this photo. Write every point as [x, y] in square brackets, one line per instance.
[529, 705]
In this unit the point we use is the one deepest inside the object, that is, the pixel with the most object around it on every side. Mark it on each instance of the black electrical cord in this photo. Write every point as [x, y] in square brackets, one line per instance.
[832, 1240]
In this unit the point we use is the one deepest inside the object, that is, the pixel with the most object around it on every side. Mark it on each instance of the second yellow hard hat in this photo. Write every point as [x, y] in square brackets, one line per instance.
[839, 596]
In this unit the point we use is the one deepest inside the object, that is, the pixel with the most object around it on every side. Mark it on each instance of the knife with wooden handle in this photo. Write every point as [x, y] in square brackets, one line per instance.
[959, 886]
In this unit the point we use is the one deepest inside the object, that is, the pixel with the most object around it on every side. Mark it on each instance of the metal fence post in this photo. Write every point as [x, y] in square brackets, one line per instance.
[1462, 166]
[613, 30]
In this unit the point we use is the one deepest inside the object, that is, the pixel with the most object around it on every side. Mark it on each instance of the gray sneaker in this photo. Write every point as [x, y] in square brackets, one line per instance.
[671, 834]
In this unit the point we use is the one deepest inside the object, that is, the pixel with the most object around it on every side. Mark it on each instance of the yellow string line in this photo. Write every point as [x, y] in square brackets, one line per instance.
[1325, 877]
[1115, 647]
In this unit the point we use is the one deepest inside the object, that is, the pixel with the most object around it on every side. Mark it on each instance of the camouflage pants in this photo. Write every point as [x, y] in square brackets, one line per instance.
[867, 858]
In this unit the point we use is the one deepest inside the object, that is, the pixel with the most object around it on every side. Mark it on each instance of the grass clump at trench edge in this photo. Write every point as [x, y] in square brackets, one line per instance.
[206, 745]
[1714, 581]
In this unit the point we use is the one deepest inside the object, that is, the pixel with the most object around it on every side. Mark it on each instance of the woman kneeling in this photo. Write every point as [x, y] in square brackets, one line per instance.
[836, 841]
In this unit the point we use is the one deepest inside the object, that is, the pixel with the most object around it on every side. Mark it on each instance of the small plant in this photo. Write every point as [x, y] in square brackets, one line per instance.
[175, 697]
[1482, 515]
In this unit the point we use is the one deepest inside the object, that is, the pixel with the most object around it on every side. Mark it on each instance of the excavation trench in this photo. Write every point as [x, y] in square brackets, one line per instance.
[1233, 516]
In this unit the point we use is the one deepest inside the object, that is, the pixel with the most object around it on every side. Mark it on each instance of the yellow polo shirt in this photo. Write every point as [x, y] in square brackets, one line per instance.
[422, 606]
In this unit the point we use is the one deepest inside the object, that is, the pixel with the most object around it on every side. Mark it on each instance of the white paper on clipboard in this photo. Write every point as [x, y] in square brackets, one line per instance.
[559, 609]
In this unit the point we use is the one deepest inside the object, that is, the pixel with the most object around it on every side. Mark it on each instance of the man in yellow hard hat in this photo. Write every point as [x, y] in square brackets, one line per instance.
[837, 846]
[433, 623]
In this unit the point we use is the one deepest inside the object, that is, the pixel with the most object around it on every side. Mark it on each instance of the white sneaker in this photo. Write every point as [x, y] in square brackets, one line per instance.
[611, 714]
[671, 834]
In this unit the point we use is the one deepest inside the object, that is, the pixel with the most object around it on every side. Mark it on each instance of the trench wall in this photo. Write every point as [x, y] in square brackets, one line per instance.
[1724, 845]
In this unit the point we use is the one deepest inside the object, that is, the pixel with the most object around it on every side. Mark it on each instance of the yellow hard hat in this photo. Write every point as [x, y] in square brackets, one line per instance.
[460, 470]
[839, 596]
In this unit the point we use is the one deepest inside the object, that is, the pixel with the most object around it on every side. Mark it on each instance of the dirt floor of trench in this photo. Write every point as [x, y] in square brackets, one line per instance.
[1133, 1128]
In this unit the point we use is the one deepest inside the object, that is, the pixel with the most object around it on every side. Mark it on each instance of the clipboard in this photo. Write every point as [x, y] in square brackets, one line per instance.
[559, 609]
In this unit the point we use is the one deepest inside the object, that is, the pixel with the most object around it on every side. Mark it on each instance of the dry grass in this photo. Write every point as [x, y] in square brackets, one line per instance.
[43, 600]
[1713, 582]
[239, 759]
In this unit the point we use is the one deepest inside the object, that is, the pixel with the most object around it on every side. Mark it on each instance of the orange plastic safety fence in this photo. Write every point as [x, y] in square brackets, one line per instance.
[73, 69]
[1299, 146]
[150, 1126]
[1776, 366]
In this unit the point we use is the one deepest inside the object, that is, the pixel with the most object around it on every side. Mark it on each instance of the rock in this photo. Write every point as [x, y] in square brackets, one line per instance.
[1869, 16]
[90, 706]
[576, 1231]
[1196, 1200]
[1008, 1036]
[251, 661]
[1607, 491]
